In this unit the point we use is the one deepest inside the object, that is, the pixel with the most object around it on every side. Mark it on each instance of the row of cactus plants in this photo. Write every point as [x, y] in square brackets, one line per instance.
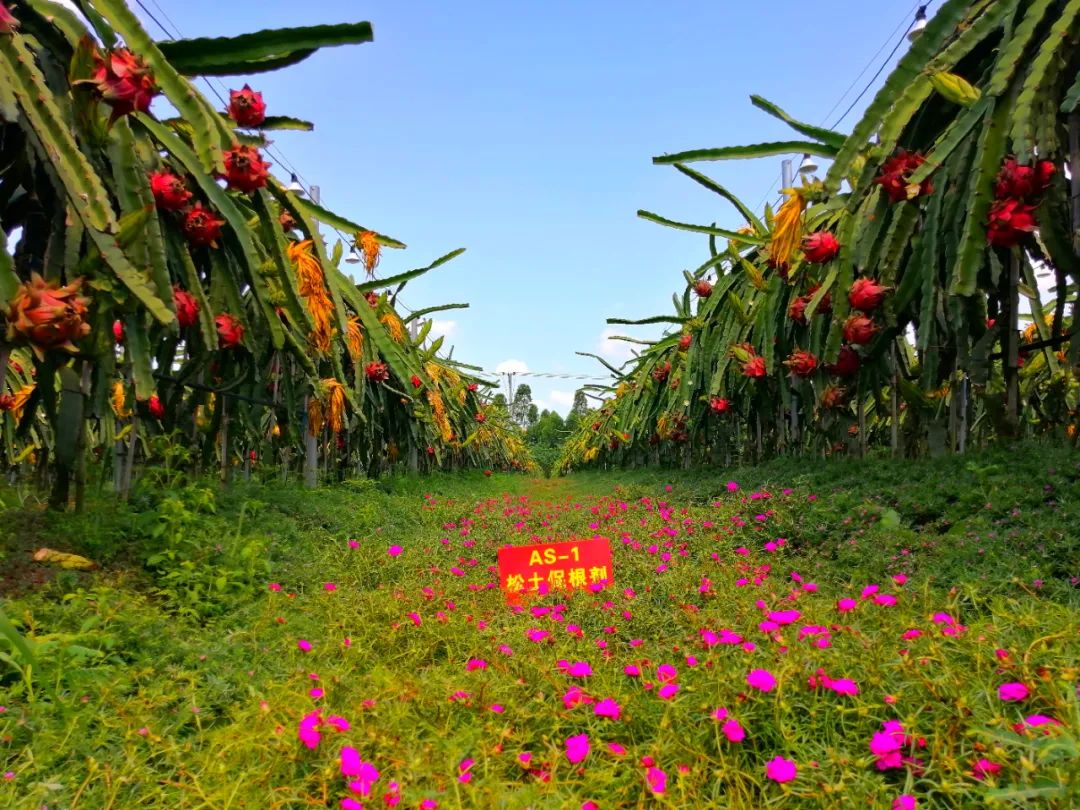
[880, 305]
[164, 282]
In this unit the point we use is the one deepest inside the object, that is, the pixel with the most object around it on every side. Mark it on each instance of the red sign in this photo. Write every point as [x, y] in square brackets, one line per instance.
[547, 567]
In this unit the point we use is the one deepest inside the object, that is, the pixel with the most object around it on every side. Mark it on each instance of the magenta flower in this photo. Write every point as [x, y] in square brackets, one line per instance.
[781, 770]
[354, 544]
[577, 748]
[666, 672]
[733, 731]
[429, 804]
[844, 686]
[351, 804]
[464, 774]
[1013, 691]
[607, 708]
[337, 723]
[984, 768]
[304, 645]
[578, 669]
[366, 776]
[761, 679]
[904, 802]
[350, 761]
[845, 605]
[1036, 720]
[330, 586]
[308, 730]
[274, 586]
[657, 780]
[667, 691]
[616, 749]
[732, 486]
[784, 616]
[394, 551]
[475, 663]
[574, 696]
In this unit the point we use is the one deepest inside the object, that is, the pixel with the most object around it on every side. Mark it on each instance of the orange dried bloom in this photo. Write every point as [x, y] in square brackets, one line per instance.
[119, 400]
[312, 286]
[355, 337]
[787, 228]
[335, 405]
[314, 416]
[393, 325]
[369, 247]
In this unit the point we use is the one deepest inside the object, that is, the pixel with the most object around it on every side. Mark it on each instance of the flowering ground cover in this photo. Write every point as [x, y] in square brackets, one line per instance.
[870, 634]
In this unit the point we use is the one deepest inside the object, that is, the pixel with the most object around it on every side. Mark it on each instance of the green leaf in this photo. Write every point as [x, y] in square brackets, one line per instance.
[1012, 53]
[401, 278]
[285, 122]
[683, 226]
[251, 53]
[137, 349]
[22, 645]
[1043, 69]
[647, 321]
[712, 185]
[827, 136]
[757, 150]
[973, 248]
[420, 313]
[336, 221]
[1072, 98]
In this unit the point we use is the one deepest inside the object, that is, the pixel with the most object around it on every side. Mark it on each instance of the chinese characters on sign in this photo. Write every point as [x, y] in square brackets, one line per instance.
[547, 567]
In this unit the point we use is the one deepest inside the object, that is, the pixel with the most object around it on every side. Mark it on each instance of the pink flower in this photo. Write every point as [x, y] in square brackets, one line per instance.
[616, 749]
[429, 804]
[363, 773]
[351, 804]
[869, 591]
[657, 780]
[761, 679]
[590, 806]
[984, 768]
[732, 486]
[475, 663]
[910, 634]
[844, 686]
[394, 551]
[274, 586]
[574, 695]
[497, 708]
[308, 730]
[901, 579]
[578, 669]
[338, 723]
[733, 731]
[354, 544]
[886, 599]
[316, 693]
[668, 691]
[577, 748]
[781, 770]
[845, 605]
[536, 635]
[330, 586]
[1013, 691]
[785, 616]
[304, 645]
[607, 708]
[632, 670]
[464, 774]
[904, 802]
[666, 672]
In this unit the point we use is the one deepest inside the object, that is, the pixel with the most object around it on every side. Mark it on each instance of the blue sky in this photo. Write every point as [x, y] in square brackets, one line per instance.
[524, 130]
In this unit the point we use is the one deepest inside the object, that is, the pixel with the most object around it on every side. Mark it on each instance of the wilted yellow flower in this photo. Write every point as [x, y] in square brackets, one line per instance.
[314, 416]
[369, 246]
[787, 228]
[311, 285]
[335, 404]
[119, 400]
[393, 325]
[20, 399]
[355, 337]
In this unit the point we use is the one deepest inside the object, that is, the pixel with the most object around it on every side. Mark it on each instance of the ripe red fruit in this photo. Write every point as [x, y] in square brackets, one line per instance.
[118, 331]
[703, 288]
[187, 308]
[157, 410]
[820, 247]
[859, 330]
[1017, 181]
[124, 81]
[847, 363]
[245, 170]
[1009, 220]
[481, 416]
[719, 405]
[230, 331]
[170, 193]
[377, 372]
[895, 177]
[660, 373]
[866, 295]
[246, 107]
[754, 367]
[8, 25]
[416, 381]
[801, 363]
[797, 310]
[685, 341]
[202, 227]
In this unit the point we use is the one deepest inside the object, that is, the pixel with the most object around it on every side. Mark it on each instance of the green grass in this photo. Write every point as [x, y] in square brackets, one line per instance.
[172, 677]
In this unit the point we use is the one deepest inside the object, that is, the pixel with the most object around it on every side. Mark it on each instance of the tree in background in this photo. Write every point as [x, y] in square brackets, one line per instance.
[519, 408]
[578, 411]
[545, 438]
[532, 416]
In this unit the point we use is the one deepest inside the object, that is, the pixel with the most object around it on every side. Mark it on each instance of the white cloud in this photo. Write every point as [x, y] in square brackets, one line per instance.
[444, 329]
[511, 366]
[616, 351]
[562, 398]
